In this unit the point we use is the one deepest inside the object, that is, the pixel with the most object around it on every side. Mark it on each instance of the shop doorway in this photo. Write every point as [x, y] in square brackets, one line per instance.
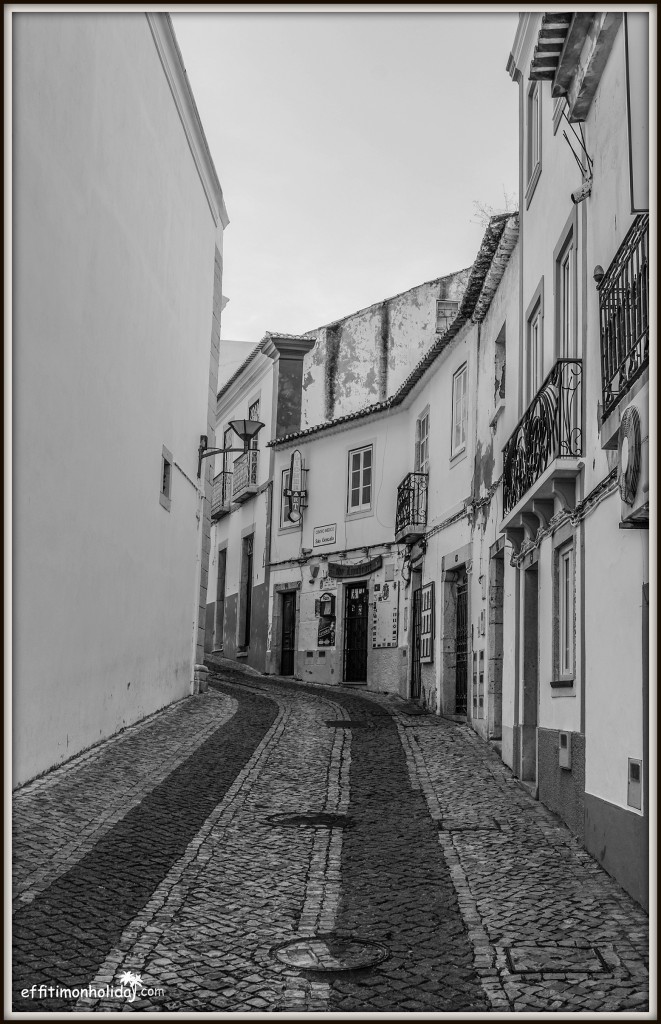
[495, 646]
[356, 603]
[416, 667]
[461, 677]
[530, 674]
[288, 634]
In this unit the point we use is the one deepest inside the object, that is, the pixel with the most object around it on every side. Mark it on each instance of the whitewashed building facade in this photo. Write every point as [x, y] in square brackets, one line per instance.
[575, 478]
[118, 220]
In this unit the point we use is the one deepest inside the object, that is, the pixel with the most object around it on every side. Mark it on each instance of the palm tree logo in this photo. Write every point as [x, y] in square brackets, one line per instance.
[132, 981]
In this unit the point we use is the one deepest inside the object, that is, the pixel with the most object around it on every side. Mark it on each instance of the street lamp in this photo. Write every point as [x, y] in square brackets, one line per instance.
[246, 430]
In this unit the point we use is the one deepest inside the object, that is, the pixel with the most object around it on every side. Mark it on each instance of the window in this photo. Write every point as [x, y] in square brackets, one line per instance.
[566, 304]
[446, 311]
[459, 409]
[360, 479]
[565, 610]
[422, 443]
[534, 138]
[534, 353]
[253, 414]
[564, 258]
[227, 443]
[427, 623]
[165, 496]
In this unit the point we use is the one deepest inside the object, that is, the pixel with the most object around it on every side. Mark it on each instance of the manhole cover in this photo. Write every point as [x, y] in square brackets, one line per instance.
[331, 953]
[324, 819]
[564, 959]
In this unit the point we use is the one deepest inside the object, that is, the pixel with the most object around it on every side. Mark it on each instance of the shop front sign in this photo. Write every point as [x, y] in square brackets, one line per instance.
[357, 569]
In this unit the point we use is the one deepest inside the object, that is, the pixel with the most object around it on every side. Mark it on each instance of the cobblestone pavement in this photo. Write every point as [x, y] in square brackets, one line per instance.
[232, 845]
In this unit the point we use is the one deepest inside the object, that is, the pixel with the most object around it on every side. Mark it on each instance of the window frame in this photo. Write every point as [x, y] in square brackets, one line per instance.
[534, 347]
[458, 449]
[566, 249]
[447, 310]
[251, 405]
[534, 313]
[422, 464]
[565, 611]
[363, 508]
[533, 138]
[165, 496]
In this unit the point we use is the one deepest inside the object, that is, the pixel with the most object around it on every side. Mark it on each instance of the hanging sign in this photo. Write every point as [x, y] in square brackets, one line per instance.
[358, 569]
[295, 493]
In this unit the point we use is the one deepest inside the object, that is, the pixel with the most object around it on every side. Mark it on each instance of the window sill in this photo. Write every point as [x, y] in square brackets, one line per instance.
[165, 502]
[349, 516]
[294, 528]
[458, 456]
[532, 183]
[563, 684]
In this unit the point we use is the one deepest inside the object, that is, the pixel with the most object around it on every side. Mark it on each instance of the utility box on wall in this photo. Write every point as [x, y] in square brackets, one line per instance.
[635, 784]
[564, 750]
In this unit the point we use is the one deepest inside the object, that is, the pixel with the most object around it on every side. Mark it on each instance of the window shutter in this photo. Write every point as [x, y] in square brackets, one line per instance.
[417, 446]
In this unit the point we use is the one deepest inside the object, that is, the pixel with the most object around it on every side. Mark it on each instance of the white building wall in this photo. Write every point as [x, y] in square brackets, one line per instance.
[250, 517]
[114, 242]
[614, 698]
[297, 561]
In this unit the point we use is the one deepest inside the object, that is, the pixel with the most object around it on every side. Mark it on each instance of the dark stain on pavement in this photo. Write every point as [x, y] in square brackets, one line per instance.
[396, 887]
[63, 937]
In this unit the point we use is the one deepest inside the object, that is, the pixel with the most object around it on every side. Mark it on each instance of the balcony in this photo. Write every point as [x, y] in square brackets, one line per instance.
[222, 495]
[411, 517]
[244, 482]
[623, 316]
[547, 443]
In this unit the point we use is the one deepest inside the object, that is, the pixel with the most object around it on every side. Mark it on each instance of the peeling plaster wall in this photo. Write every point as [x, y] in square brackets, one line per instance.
[365, 357]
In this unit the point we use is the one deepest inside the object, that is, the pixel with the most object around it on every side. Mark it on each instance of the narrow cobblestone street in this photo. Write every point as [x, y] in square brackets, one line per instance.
[270, 846]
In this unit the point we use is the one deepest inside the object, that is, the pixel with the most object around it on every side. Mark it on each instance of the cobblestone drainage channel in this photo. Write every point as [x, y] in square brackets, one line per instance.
[322, 819]
[330, 953]
[344, 723]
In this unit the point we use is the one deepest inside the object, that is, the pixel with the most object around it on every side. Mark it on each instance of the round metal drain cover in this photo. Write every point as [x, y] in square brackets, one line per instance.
[322, 819]
[331, 953]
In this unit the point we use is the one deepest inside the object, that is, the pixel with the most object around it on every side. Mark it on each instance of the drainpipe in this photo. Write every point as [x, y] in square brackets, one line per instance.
[516, 738]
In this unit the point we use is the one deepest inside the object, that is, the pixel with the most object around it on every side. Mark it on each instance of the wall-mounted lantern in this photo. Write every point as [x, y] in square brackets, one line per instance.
[246, 430]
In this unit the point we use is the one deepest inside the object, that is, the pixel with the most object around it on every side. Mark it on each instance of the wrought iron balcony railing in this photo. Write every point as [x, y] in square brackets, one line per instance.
[623, 314]
[549, 429]
[222, 494]
[411, 516]
[244, 483]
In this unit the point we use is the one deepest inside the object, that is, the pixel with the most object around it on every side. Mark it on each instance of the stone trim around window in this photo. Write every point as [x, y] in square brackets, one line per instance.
[165, 496]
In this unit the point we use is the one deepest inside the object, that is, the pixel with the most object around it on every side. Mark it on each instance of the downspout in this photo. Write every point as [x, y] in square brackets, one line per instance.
[516, 737]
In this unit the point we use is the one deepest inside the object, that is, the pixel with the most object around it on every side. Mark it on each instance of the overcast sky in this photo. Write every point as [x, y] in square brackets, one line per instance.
[351, 148]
